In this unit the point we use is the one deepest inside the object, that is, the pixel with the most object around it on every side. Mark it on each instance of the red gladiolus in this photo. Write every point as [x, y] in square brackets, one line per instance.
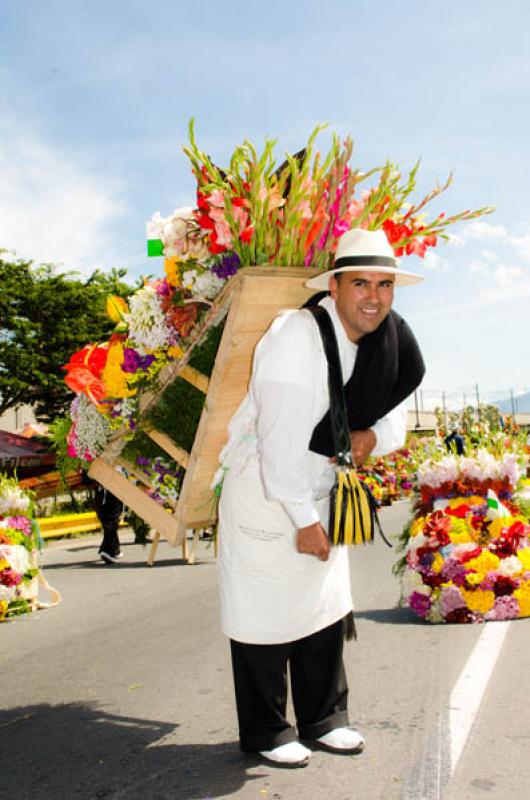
[247, 234]
[206, 222]
[213, 247]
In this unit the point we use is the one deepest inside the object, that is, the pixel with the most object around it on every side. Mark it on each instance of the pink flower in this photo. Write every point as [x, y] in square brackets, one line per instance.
[8, 577]
[420, 604]
[340, 227]
[20, 524]
[505, 607]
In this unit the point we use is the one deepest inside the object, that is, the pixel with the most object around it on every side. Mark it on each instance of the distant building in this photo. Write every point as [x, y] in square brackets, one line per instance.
[15, 419]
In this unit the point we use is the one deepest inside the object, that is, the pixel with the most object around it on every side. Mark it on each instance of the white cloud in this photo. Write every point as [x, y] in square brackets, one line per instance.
[521, 245]
[479, 231]
[53, 209]
[432, 261]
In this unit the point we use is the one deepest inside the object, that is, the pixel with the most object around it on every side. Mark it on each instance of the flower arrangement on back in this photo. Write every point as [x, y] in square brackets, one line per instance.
[252, 213]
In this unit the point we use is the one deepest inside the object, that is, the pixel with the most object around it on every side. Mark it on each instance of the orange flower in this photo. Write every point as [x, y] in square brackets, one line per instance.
[80, 379]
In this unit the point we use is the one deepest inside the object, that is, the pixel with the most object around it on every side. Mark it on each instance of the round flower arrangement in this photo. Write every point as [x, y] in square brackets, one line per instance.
[19, 541]
[467, 550]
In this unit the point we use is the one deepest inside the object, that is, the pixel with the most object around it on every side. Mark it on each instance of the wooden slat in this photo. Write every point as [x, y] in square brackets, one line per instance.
[255, 304]
[167, 444]
[196, 378]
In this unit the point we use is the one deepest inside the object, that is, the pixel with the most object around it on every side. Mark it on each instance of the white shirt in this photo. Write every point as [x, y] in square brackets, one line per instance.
[288, 395]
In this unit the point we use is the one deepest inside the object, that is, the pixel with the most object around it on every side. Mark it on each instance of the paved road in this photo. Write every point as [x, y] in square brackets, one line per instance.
[124, 691]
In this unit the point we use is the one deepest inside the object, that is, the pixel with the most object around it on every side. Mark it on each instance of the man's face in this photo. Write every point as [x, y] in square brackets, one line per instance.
[362, 300]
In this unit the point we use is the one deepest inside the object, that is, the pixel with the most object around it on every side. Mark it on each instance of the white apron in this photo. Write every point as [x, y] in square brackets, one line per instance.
[270, 593]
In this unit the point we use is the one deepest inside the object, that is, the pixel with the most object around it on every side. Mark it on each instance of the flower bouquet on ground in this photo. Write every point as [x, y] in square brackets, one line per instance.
[467, 549]
[19, 543]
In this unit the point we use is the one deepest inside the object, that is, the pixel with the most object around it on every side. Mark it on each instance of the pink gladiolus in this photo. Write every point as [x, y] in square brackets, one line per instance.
[340, 227]
[216, 199]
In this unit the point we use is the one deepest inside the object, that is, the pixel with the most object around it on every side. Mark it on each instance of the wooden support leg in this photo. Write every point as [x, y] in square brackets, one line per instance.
[185, 546]
[196, 534]
[154, 547]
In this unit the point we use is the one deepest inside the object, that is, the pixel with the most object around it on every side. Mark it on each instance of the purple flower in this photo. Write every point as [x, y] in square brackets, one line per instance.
[453, 570]
[450, 600]
[133, 361]
[227, 267]
[142, 461]
[420, 604]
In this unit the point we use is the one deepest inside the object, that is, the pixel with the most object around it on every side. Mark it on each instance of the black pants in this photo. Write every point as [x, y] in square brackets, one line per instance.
[318, 684]
[109, 510]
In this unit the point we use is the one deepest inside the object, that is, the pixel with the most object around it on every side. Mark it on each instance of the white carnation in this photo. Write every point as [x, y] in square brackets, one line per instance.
[509, 566]
[17, 557]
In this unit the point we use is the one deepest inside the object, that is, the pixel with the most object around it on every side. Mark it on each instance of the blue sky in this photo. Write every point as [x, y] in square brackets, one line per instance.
[95, 99]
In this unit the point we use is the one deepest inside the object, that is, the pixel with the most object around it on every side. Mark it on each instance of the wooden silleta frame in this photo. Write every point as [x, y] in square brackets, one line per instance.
[250, 301]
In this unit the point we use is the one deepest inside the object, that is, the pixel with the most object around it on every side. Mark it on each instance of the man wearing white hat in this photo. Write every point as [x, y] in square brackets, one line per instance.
[285, 594]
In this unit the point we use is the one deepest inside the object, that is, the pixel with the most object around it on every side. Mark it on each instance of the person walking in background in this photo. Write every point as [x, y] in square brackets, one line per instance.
[109, 510]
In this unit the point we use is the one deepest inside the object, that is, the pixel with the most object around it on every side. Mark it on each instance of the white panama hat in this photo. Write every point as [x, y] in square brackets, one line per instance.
[364, 251]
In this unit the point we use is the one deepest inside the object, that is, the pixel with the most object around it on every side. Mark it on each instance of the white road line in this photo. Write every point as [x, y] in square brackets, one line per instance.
[471, 685]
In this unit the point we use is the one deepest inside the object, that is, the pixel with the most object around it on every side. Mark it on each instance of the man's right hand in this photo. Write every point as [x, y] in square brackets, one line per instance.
[313, 541]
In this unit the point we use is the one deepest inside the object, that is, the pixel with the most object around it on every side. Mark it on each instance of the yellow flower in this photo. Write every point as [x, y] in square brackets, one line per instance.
[3, 609]
[473, 578]
[116, 307]
[114, 378]
[522, 595]
[524, 557]
[495, 527]
[3, 564]
[484, 563]
[474, 500]
[175, 351]
[417, 526]
[478, 601]
[437, 562]
[459, 532]
[171, 267]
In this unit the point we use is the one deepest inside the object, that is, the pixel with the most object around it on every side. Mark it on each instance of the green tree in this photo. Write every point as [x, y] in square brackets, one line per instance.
[45, 316]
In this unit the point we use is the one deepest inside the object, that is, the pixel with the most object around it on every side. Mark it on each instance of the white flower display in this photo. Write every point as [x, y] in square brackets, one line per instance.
[146, 321]
[7, 592]
[411, 582]
[180, 234]
[91, 428]
[435, 473]
[204, 285]
[510, 469]
[17, 557]
[509, 566]
[13, 501]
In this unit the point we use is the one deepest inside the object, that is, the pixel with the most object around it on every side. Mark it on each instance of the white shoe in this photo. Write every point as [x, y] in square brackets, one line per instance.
[292, 754]
[342, 740]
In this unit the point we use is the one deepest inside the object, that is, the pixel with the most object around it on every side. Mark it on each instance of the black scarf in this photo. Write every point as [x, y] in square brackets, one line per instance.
[388, 367]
